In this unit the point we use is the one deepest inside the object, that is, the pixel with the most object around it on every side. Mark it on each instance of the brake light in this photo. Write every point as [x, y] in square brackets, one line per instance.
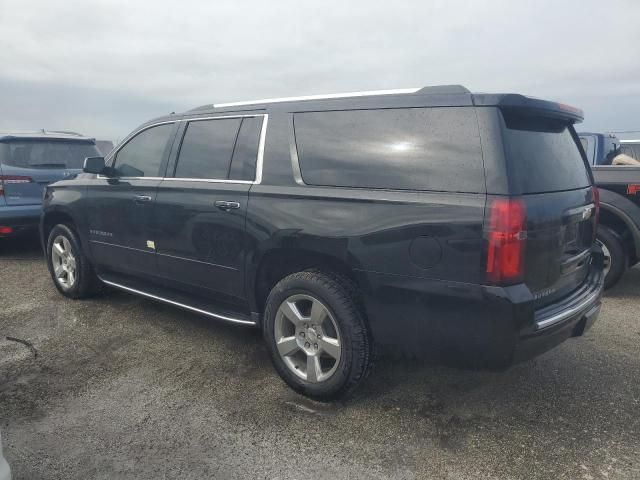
[633, 189]
[6, 230]
[596, 202]
[507, 237]
[12, 179]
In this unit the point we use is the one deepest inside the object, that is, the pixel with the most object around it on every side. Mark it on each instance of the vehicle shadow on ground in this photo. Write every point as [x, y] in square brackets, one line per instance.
[24, 247]
[629, 285]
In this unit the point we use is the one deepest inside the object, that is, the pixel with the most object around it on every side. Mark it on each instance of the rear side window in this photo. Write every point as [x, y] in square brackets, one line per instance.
[243, 165]
[43, 154]
[143, 154]
[407, 149]
[542, 155]
[206, 148]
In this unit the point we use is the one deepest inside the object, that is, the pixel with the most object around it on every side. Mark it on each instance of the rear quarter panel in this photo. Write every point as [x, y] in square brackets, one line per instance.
[415, 254]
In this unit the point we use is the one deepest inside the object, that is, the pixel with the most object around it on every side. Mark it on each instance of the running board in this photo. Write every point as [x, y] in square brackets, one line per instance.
[208, 313]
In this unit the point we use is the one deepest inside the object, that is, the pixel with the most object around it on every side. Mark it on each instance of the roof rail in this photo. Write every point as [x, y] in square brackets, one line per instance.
[433, 90]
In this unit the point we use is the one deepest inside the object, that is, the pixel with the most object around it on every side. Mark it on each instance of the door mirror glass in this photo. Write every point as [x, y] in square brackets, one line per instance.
[93, 165]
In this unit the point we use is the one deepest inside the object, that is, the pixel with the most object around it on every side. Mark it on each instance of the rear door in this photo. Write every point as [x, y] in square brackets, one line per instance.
[27, 165]
[202, 203]
[545, 168]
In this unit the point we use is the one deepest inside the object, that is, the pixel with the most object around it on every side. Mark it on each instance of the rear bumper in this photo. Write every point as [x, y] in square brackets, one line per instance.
[571, 317]
[20, 217]
[474, 325]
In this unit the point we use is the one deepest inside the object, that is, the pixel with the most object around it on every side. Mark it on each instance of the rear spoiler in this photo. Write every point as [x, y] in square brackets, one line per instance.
[530, 106]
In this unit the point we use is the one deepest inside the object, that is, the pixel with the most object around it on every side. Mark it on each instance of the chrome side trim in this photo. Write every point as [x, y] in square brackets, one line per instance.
[130, 178]
[208, 180]
[178, 304]
[197, 261]
[293, 153]
[121, 246]
[259, 159]
[261, 144]
[560, 317]
[318, 97]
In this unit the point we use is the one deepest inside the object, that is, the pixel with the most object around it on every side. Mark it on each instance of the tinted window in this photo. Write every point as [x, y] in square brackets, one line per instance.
[411, 148]
[206, 149]
[46, 153]
[142, 155]
[542, 155]
[243, 166]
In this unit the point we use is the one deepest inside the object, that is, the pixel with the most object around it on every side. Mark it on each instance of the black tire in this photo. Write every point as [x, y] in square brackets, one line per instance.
[619, 260]
[86, 283]
[340, 296]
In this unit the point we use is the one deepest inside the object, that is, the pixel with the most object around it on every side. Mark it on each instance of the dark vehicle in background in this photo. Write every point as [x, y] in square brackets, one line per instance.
[434, 221]
[619, 185]
[29, 161]
[600, 148]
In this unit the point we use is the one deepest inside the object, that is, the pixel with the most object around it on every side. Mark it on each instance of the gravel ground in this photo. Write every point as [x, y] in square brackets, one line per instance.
[122, 387]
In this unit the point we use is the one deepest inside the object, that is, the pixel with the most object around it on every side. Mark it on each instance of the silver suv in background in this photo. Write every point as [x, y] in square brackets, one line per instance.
[29, 161]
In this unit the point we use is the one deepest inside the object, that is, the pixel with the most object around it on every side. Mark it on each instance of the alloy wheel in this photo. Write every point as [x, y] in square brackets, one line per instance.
[307, 338]
[64, 262]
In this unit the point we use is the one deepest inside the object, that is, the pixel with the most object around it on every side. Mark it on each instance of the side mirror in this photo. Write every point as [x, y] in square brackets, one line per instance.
[93, 165]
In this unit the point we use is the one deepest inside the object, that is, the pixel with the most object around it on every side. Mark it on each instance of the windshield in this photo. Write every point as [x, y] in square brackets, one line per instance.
[46, 153]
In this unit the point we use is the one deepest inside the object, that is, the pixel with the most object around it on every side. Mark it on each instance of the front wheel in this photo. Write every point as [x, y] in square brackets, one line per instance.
[316, 334]
[615, 255]
[69, 267]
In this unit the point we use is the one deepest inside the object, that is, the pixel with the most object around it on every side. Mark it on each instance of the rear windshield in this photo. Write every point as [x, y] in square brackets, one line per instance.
[542, 155]
[46, 153]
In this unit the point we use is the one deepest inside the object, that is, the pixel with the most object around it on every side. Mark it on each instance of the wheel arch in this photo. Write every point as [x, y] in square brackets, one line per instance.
[615, 219]
[277, 263]
[54, 216]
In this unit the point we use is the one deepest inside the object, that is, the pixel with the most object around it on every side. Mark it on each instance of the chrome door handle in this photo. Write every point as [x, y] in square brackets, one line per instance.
[140, 199]
[226, 206]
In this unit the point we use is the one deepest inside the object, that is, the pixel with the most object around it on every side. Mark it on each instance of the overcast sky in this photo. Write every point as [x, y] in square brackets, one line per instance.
[103, 67]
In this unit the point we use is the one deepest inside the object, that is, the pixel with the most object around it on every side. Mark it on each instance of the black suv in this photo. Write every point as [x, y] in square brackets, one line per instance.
[433, 219]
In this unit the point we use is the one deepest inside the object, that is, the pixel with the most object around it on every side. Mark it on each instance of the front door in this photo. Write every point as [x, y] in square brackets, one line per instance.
[120, 207]
[201, 207]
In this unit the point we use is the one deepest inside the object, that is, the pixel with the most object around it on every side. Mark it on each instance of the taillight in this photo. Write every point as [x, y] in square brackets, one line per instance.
[507, 236]
[596, 202]
[11, 179]
[633, 189]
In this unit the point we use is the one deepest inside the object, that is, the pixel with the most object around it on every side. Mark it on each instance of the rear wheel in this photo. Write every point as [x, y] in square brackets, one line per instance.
[69, 267]
[616, 259]
[316, 334]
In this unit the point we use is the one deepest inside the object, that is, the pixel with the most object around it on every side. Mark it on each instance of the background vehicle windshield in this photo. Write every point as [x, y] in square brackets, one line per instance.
[47, 153]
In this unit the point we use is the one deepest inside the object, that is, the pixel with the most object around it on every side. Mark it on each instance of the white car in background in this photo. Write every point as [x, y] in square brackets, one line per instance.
[5, 471]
